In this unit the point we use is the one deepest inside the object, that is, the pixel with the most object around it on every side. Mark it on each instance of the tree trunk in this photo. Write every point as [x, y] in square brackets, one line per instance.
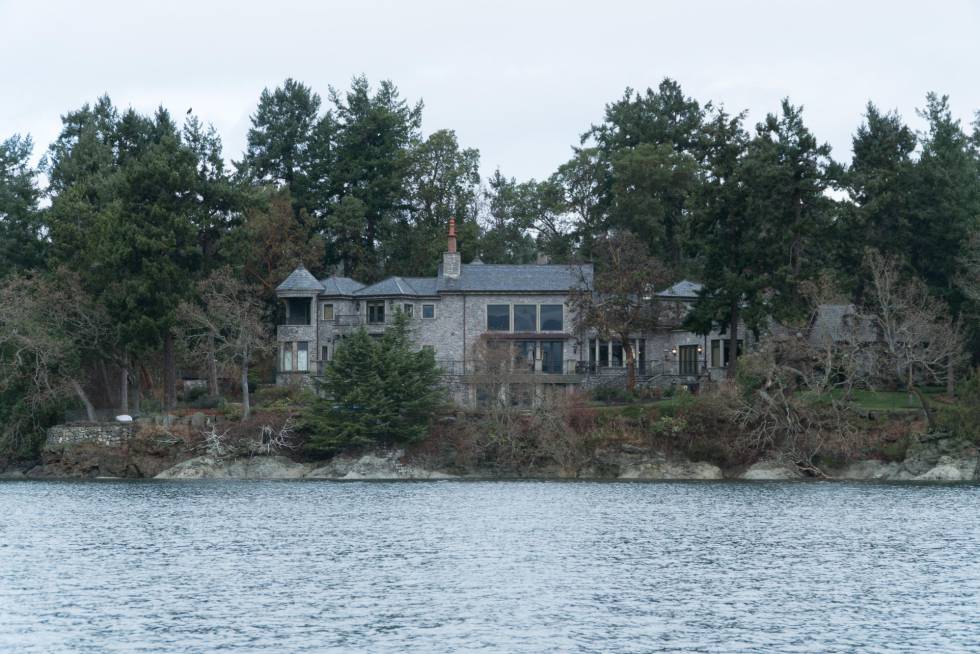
[630, 364]
[169, 372]
[107, 391]
[246, 405]
[212, 368]
[124, 387]
[136, 388]
[733, 342]
[80, 392]
[950, 378]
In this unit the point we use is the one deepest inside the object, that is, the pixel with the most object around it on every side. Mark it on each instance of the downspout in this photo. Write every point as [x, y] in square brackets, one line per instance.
[464, 333]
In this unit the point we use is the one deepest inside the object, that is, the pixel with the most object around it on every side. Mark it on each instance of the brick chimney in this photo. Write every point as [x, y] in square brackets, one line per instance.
[451, 262]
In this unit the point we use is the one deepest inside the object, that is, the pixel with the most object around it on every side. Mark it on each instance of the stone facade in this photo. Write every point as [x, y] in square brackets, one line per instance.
[449, 314]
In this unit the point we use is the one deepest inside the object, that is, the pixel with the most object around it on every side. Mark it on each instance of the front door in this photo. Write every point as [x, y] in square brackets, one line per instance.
[688, 356]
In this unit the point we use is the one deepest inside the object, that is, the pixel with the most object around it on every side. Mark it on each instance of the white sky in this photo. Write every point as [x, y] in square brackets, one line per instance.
[518, 80]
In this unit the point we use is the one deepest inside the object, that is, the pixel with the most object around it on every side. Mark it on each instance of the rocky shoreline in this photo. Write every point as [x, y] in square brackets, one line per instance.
[114, 451]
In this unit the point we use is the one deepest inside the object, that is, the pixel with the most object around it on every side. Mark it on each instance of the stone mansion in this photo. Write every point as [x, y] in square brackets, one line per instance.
[519, 313]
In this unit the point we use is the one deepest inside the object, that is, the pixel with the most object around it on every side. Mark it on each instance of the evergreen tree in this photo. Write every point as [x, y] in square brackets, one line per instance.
[508, 220]
[375, 391]
[735, 263]
[21, 240]
[442, 183]
[787, 174]
[285, 143]
[879, 185]
[651, 186]
[945, 203]
[373, 138]
[648, 147]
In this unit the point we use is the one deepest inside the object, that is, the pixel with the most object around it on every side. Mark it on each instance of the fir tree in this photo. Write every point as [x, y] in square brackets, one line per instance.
[375, 391]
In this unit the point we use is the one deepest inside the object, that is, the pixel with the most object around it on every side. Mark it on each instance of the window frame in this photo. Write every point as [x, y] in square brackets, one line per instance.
[408, 308]
[535, 321]
[323, 312]
[368, 312]
[561, 320]
[510, 314]
[430, 305]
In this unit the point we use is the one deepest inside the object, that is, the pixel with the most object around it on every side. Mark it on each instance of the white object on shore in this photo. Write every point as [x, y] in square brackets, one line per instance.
[124, 418]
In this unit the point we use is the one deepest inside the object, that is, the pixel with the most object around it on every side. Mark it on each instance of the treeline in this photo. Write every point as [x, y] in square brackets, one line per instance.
[130, 218]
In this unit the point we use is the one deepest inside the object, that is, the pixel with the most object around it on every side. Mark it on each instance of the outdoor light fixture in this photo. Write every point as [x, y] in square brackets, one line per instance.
[673, 351]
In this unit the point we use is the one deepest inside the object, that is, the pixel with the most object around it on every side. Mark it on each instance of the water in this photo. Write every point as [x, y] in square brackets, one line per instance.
[495, 566]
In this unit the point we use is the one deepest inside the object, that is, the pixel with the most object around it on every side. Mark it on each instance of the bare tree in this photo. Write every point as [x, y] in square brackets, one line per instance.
[621, 299]
[227, 323]
[917, 339]
[50, 331]
[796, 394]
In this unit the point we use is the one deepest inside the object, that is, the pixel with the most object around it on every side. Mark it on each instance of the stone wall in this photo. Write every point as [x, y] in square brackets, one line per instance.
[112, 434]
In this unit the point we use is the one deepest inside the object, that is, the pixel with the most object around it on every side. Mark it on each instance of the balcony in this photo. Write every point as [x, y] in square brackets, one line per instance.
[565, 372]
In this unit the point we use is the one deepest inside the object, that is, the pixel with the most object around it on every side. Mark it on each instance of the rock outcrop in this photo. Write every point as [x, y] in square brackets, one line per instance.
[771, 471]
[374, 465]
[672, 469]
[257, 467]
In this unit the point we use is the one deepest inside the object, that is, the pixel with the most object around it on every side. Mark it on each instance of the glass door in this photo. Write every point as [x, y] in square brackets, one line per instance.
[551, 357]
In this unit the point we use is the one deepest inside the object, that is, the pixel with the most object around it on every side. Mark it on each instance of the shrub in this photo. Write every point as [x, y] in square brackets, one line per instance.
[962, 419]
[611, 394]
[233, 410]
[195, 393]
[207, 402]
[278, 395]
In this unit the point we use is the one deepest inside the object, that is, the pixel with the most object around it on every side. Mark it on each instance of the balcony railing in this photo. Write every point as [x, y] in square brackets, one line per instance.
[460, 368]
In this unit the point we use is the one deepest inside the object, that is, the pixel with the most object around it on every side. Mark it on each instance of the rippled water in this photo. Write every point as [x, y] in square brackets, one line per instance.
[495, 566]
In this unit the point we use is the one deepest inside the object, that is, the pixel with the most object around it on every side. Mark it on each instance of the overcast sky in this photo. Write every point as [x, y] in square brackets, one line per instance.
[518, 82]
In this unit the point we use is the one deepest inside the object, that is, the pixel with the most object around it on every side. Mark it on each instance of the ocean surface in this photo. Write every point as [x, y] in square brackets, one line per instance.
[113, 566]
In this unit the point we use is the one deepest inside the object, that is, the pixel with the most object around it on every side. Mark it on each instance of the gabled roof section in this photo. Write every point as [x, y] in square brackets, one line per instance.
[517, 278]
[682, 289]
[300, 280]
[393, 286]
[335, 285]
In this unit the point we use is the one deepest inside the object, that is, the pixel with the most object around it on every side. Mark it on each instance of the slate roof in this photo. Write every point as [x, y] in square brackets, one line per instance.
[683, 288]
[300, 280]
[516, 278]
[840, 322]
[335, 285]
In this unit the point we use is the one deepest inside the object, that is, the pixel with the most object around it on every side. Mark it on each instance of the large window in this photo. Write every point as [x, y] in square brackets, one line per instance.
[428, 311]
[302, 356]
[551, 318]
[716, 353]
[376, 313]
[297, 311]
[295, 357]
[525, 317]
[498, 317]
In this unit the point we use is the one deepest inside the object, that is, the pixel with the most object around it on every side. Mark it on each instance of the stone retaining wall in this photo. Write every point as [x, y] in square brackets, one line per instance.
[111, 434]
